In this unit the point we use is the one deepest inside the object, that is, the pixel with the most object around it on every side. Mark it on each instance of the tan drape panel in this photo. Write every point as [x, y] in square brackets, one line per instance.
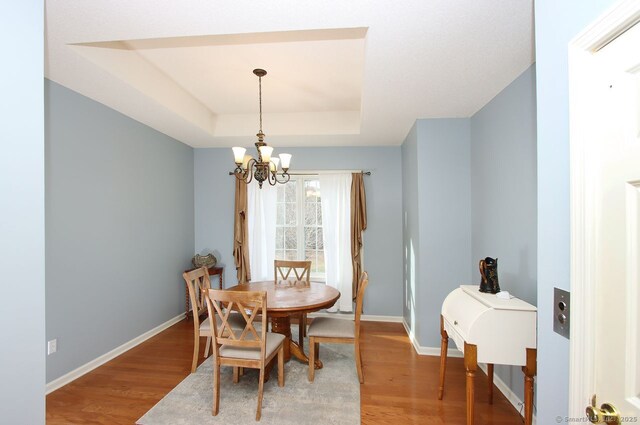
[240, 234]
[358, 225]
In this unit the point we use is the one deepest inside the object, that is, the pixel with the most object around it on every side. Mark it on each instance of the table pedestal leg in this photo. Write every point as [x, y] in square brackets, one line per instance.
[282, 325]
[471, 365]
[299, 354]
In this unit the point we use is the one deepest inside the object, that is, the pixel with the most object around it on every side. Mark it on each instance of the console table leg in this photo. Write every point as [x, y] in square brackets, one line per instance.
[471, 366]
[444, 345]
[490, 376]
[530, 371]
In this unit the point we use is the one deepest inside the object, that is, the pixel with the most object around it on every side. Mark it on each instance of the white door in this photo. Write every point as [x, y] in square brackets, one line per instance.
[605, 144]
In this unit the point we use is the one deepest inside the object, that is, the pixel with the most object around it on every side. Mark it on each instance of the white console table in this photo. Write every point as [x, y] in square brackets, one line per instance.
[491, 330]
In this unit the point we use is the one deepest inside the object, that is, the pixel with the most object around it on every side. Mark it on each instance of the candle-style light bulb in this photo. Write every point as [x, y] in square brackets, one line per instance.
[274, 164]
[245, 161]
[265, 153]
[238, 154]
[285, 160]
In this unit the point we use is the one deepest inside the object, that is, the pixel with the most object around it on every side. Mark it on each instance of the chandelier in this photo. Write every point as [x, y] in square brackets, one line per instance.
[265, 168]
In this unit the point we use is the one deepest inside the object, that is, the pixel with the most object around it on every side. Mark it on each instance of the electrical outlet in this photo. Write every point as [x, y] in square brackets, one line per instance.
[52, 346]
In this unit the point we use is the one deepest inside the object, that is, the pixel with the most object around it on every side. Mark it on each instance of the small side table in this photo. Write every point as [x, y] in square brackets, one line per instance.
[212, 272]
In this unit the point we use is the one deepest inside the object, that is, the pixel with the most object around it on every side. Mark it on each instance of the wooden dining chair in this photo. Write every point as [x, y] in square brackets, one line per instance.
[197, 284]
[250, 347]
[282, 270]
[334, 330]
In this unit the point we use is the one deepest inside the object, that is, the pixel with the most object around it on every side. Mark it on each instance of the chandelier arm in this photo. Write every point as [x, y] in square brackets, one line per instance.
[249, 173]
[272, 179]
[285, 178]
[239, 173]
[252, 166]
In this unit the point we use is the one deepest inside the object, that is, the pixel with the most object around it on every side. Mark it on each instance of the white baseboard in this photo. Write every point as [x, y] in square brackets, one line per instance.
[88, 367]
[372, 318]
[427, 351]
[364, 317]
[507, 392]
[499, 383]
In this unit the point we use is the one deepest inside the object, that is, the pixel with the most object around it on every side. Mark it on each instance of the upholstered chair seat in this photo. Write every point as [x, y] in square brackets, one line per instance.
[272, 343]
[330, 327]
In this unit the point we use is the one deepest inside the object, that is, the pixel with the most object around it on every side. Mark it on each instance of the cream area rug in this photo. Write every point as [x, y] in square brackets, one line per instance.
[333, 397]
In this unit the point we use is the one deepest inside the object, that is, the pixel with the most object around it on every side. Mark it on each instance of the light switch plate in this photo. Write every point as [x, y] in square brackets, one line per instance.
[561, 312]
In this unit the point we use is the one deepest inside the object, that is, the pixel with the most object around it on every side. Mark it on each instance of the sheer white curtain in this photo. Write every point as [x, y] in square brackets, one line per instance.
[336, 223]
[261, 218]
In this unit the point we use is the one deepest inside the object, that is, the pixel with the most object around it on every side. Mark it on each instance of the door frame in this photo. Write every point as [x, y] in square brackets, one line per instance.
[603, 30]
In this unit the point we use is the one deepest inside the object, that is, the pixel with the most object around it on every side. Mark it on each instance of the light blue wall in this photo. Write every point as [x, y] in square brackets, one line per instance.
[437, 220]
[473, 195]
[22, 362]
[503, 200]
[557, 22]
[410, 229]
[214, 204]
[119, 228]
[444, 202]
[214, 199]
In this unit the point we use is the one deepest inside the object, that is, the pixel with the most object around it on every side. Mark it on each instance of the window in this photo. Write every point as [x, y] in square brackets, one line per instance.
[299, 223]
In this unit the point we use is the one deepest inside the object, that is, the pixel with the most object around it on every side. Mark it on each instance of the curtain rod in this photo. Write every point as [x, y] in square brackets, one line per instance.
[315, 173]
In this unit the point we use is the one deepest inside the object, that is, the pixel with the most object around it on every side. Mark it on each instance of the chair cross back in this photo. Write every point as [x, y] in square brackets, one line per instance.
[250, 305]
[249, 349]
[301, 270]
[198, 283]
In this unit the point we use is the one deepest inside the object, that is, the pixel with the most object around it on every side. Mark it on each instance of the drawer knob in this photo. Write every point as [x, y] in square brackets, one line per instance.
[455, 322]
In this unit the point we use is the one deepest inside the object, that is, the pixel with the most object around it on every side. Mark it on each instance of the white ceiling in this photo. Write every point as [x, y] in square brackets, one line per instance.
[339, 72]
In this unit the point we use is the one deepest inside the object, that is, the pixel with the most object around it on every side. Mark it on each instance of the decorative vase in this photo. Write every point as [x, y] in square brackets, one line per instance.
[489, 275]
[207, 261]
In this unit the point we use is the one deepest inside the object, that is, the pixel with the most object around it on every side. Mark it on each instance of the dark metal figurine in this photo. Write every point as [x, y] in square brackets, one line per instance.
[489, 274]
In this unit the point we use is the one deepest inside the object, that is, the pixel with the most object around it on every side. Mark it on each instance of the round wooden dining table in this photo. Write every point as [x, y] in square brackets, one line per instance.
[290, 298]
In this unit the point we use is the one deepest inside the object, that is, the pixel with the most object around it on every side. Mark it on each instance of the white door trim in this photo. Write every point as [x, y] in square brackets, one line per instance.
[610, 25]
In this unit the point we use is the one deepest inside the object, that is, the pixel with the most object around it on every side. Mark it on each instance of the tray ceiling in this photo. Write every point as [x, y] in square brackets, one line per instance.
[339, 73]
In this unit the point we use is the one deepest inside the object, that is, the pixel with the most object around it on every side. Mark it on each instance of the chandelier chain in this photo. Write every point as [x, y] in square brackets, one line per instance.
[260, 100]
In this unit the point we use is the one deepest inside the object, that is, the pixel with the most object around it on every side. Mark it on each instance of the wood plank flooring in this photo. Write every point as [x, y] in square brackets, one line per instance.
[400, 386]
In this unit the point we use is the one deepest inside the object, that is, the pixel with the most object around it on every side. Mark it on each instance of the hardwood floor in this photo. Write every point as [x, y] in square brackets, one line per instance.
[400, 386]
